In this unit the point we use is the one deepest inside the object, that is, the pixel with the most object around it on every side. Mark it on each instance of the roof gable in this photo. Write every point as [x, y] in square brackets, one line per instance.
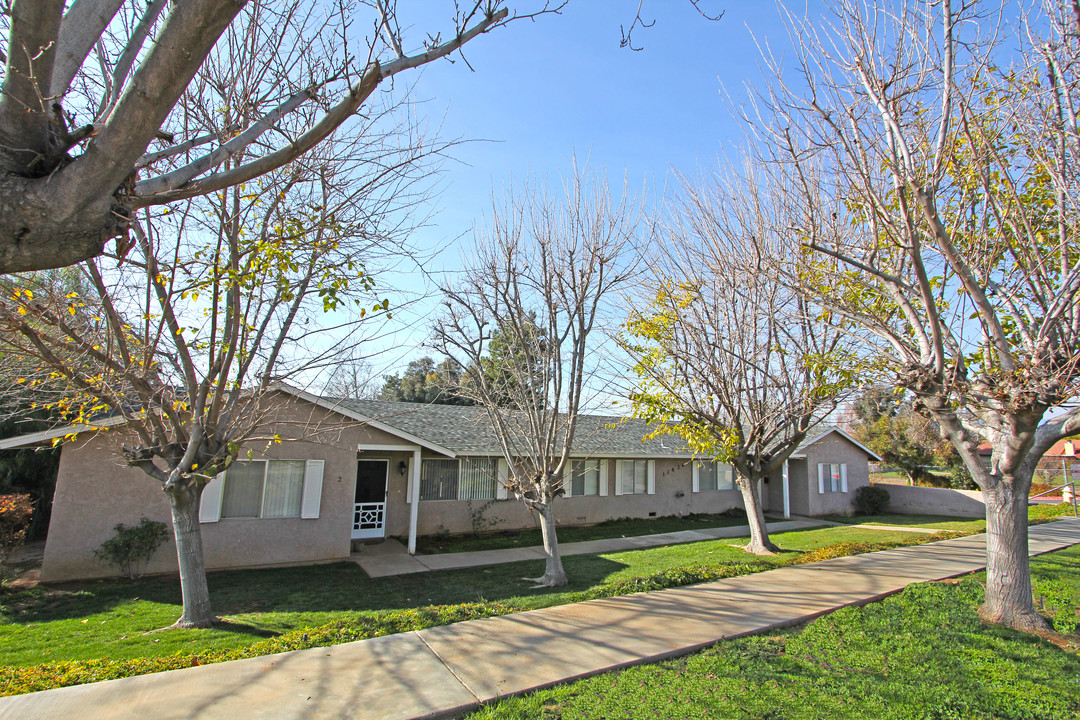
[800, 452]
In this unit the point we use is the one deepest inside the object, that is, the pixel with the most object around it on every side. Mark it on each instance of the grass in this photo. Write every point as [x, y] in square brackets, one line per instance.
[1036, 514]
[623, 527]
[920, 654]
[940, 522]
[113, 620]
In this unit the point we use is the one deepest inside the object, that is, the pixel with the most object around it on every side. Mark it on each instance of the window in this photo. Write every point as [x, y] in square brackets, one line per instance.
[832, 478]
[584, 477]
[465, 479]
[710, 475]
[633, 477]
[263, 489]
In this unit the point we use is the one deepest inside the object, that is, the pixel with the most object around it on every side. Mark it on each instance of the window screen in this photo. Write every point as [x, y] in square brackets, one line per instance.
[242, 496]
[439, 480]
[263, 488]
[283, 489]
[476, 479]
[585, 477]
[633, 477]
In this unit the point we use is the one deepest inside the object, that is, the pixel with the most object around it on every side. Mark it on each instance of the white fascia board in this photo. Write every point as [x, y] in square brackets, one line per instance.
[353, 415]
[37, 438]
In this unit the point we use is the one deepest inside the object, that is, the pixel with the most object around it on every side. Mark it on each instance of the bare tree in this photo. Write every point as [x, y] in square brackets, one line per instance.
[251, 285]
[938, 186]
[522, 325]
[87, 91]
[727, 355]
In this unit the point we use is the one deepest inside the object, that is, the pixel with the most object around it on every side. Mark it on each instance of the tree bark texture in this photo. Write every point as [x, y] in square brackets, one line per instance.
[184, 504]
[42, 229]
[759, 534]
[554, 575]
[1008, 599]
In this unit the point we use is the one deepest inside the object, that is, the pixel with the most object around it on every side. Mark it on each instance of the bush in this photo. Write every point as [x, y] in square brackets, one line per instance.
[131, 548]
[871, 500]
[16, 512]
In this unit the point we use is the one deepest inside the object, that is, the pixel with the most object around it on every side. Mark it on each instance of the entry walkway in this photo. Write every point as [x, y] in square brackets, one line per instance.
[445, 671]
[391, 557]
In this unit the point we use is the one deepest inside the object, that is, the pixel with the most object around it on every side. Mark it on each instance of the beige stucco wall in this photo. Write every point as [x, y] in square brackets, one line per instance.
[834, 448]
[798, 494]
[95, 490]
[935, 501]
[673, 496]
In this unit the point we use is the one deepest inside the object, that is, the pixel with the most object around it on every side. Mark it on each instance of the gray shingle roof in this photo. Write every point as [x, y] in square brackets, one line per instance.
[468, 431]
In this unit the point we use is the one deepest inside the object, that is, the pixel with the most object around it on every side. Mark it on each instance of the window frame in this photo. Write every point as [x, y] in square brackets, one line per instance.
[588, 465]
[832, 478]
[650, 476]
[265, 462]
[457, 485]
[723, 475]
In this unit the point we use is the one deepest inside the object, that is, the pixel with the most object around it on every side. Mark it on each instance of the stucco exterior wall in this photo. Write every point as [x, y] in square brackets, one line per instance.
[798, 487]
[95, 490]
[935, 501]
[835, 448]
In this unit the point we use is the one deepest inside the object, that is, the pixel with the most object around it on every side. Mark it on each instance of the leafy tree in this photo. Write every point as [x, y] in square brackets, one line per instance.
[901, 436]
[425, 382]
[936, 181]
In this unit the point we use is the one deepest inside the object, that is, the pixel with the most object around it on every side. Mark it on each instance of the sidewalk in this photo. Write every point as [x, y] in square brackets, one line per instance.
[390, 557]
[445, 671]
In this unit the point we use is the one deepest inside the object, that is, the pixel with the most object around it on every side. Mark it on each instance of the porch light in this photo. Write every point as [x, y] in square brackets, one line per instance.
[403, 467]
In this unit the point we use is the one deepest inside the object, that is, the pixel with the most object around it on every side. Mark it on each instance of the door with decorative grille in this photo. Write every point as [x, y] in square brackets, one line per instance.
[369, 510]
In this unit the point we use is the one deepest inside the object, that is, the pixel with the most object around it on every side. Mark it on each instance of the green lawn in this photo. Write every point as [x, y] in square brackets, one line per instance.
[104, 627]
[1036, 514]
[920, 654]
[941, 522]
[623, 527]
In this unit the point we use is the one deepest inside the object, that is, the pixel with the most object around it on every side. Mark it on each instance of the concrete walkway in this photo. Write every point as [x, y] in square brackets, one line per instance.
[445, 671]
[392, 558]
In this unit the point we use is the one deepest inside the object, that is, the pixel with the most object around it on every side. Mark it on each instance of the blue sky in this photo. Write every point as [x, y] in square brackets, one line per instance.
[541, 91]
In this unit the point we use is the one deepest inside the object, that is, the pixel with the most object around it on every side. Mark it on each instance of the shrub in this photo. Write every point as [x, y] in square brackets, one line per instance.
[16, 512]
[131, 548]
[871, 500]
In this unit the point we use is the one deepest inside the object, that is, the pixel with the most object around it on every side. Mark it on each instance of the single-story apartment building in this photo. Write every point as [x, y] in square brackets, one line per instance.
[363, 470]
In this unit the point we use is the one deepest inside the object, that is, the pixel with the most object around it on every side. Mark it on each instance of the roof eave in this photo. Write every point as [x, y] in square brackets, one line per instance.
[353, 415]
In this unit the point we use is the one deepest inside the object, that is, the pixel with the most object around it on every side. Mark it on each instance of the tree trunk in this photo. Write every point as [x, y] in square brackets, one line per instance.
[1008, 573]
[554, 575]
[184, 504]
[759, 534]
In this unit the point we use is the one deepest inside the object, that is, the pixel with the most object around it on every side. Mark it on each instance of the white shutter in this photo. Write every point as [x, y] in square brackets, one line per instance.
[602, 483]
[619, 465]
[650, 478]
[843, 477]
[503, 477]
[309, 505]
[821, 479]
[568, 479]
[210, 503]
[697, 480]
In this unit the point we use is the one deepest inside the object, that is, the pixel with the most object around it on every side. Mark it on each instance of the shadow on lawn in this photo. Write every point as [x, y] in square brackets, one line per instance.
[318, 588]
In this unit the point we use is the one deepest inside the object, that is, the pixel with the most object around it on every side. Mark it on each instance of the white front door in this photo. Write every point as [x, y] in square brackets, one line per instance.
[369, 510]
